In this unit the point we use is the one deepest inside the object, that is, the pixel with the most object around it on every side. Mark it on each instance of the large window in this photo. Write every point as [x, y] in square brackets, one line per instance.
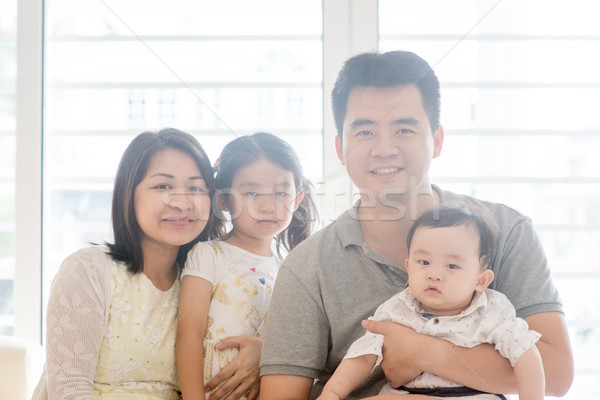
[519, 106]
[8, 64]
[216, 69]
[519, 97]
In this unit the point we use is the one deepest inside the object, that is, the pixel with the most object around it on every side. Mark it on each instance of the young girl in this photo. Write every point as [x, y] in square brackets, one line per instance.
[227, 284]
[112, 310]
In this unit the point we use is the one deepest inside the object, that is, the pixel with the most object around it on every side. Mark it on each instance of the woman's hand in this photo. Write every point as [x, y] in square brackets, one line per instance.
[240, 376]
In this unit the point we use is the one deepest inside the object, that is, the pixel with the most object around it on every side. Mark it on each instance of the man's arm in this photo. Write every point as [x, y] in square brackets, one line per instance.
[555, 348]
[480, 367]
[285, 387]
[406, 354]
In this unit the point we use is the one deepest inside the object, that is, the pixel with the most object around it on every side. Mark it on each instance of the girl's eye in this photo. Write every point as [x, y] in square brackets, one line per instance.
[423, 262]
[198, 189]
[453, 266]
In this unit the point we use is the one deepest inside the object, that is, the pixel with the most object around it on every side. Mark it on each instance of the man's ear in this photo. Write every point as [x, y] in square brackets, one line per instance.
[438, 141]
[485, 278]
[339, 148]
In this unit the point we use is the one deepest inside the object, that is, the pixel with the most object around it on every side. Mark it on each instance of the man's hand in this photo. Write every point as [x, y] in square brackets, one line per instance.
[241, 375]
[400, 351]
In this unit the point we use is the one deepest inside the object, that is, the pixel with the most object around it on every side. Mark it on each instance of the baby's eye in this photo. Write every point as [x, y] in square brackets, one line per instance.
[423, 262]
[452, 266]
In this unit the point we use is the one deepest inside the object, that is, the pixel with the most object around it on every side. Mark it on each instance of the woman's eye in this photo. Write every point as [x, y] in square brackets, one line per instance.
[198, 189]
[161, 187]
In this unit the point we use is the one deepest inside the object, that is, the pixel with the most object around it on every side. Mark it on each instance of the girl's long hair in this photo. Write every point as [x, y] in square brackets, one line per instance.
[246, 150]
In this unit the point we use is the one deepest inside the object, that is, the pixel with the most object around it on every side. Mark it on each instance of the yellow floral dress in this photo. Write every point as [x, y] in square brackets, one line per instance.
[110, 334]
[242, 286]
[137, 355]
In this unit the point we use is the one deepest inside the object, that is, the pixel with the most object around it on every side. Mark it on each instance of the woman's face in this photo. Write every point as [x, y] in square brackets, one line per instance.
[172, 202]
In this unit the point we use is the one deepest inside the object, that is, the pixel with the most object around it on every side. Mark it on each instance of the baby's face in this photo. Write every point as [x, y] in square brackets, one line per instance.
[444, 268]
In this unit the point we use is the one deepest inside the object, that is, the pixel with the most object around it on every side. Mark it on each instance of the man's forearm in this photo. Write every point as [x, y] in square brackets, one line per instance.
[285, 387]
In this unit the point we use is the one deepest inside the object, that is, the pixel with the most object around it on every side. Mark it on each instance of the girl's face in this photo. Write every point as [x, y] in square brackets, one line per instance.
[262, 200]
[172, 202]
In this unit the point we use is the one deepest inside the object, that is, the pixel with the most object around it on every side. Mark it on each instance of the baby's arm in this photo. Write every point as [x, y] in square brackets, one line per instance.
[529, 372]
[194, 303]
[348, 375]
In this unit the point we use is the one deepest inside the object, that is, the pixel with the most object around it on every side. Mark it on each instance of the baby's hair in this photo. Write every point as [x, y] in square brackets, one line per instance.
[455, 216]
[245, 150]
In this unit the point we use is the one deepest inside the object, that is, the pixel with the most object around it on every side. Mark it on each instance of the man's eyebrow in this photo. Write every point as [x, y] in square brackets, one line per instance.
[401, 121]
[406, 121]
[361, 122]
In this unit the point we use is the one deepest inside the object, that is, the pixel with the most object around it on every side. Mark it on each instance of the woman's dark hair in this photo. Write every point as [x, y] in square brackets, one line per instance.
[245, 150]
[455, 216]
[132, 170]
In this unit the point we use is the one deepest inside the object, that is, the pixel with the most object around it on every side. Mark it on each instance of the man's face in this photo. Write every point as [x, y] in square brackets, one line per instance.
[387, 144]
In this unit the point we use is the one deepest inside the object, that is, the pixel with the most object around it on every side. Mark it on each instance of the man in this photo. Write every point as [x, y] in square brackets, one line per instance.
[386, 108]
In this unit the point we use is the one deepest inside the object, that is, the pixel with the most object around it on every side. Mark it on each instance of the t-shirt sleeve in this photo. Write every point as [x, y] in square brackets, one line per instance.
[521, 271]
[201, 262]
[75, 327]
[294, 346]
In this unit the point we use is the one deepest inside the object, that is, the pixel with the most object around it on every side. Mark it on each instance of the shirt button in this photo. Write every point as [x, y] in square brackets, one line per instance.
[436, 321]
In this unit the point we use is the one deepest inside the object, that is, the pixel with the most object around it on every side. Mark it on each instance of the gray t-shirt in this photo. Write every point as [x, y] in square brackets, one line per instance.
[333, 280]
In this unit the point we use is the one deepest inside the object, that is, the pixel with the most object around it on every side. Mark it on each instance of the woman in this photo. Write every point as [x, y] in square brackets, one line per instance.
[112, 311]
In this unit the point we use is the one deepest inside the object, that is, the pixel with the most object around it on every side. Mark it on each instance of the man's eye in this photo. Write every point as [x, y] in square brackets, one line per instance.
[364, 133]
[405, 131]
[251, 194]
[282, 194]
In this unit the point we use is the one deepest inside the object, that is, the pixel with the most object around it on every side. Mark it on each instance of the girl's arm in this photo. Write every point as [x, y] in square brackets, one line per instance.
[348, 375]
[194, 303]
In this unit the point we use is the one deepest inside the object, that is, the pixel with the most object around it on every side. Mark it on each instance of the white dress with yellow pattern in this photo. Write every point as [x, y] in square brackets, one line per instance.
[242, 286]
[110, 334]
